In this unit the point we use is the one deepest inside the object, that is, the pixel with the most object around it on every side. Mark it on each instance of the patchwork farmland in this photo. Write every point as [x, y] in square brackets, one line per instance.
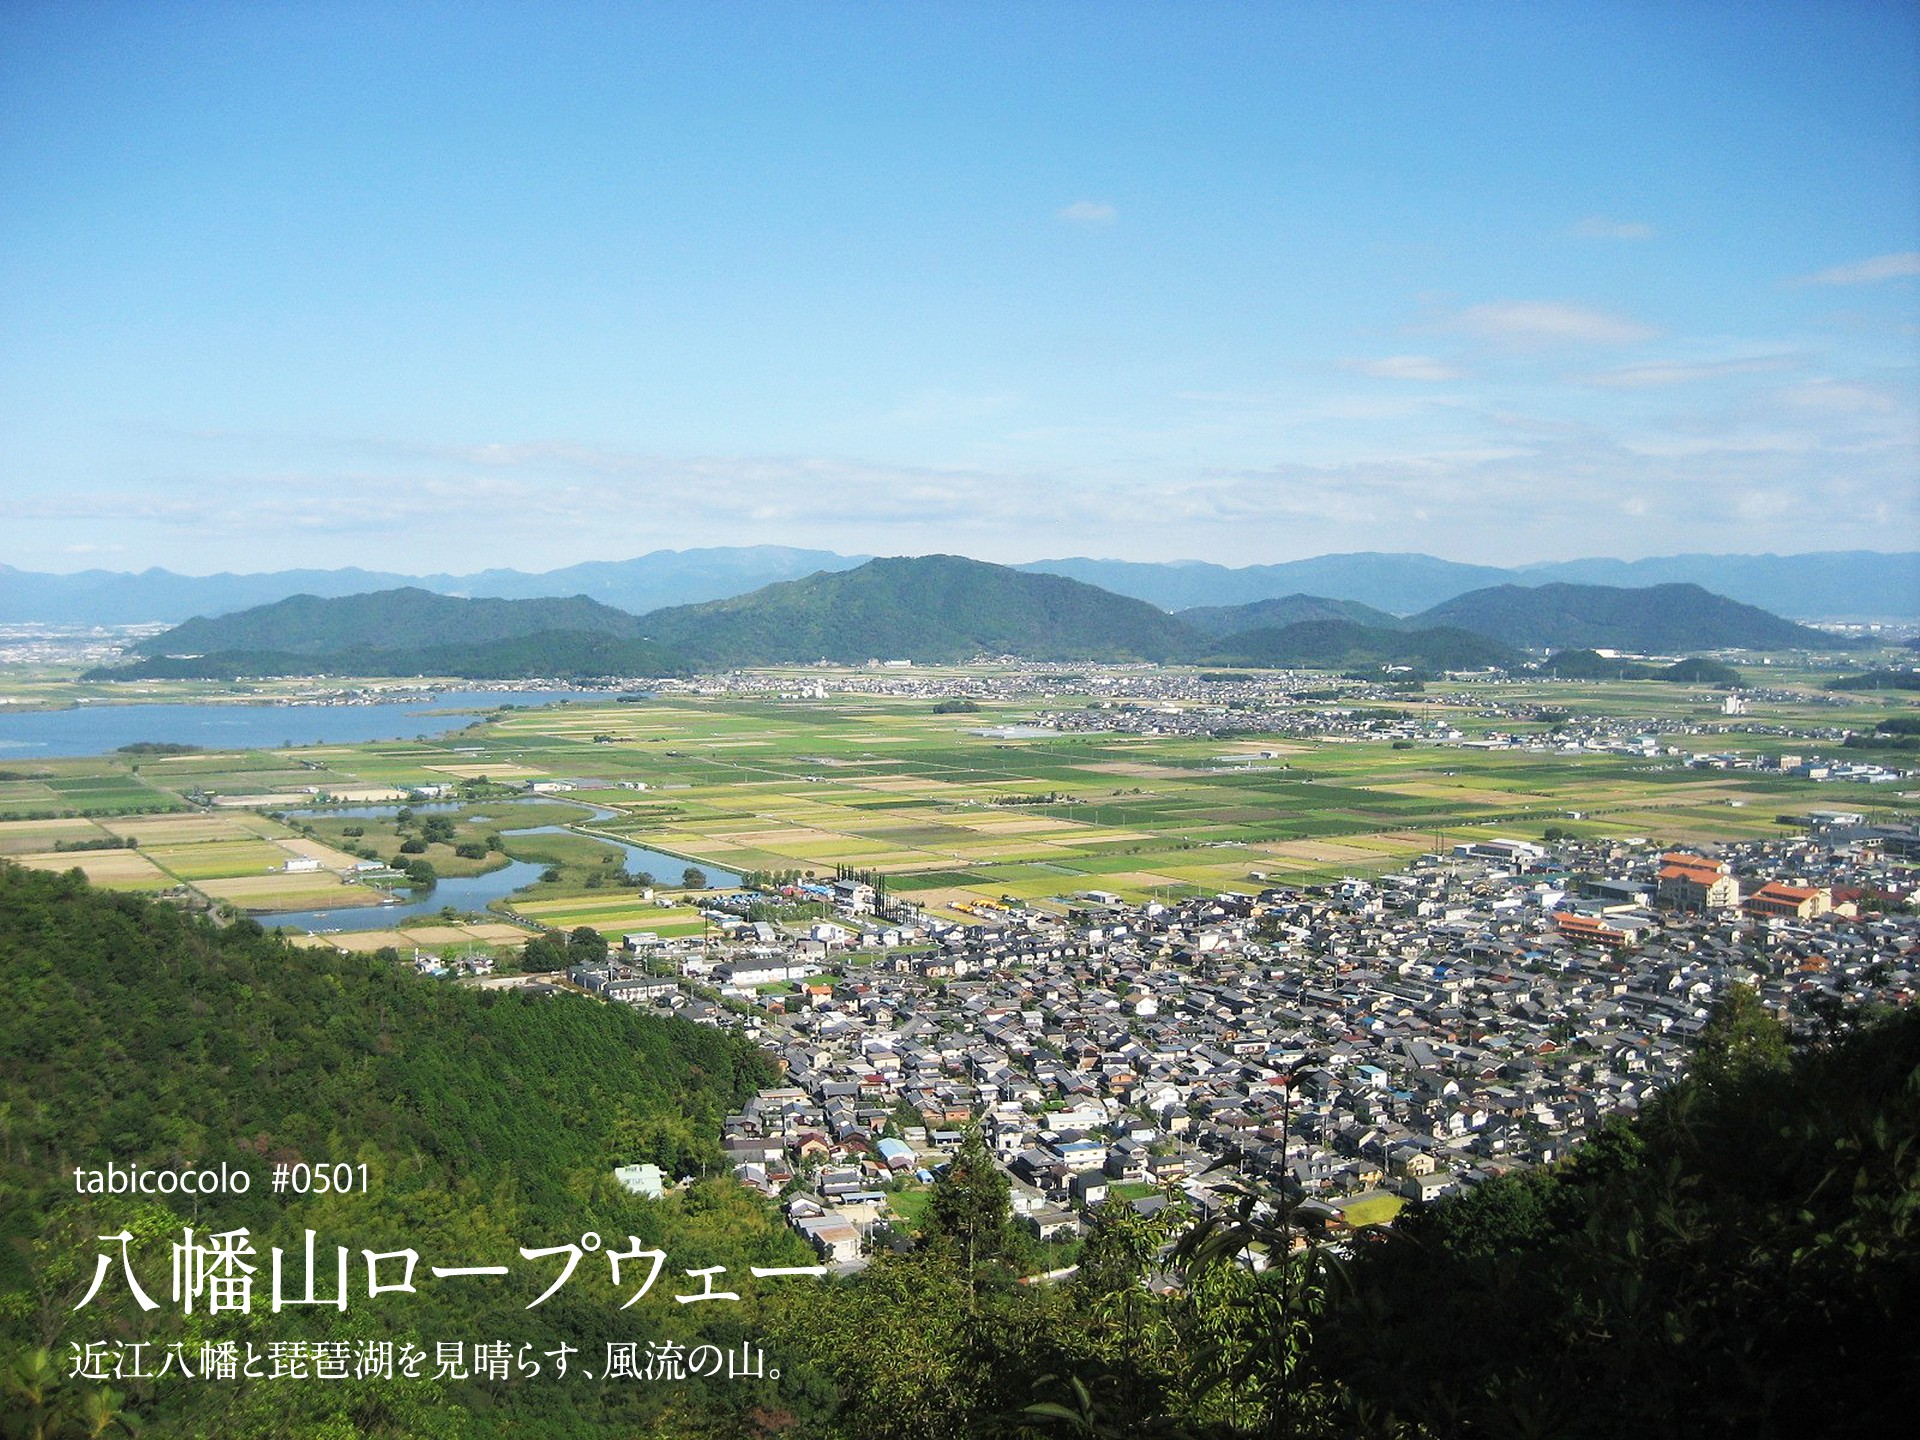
[954, 809]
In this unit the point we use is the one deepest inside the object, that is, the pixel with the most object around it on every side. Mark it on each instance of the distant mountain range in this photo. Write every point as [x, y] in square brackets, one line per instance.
[665, 577]
[936, 609]
[1835, 585]
[1853, 585]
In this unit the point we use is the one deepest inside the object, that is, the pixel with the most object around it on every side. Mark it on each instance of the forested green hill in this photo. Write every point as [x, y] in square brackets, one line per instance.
[487, 1122]
[1659, 619]
[547, 655]
[1218, 620]
[382, 620]
[929, 608]
[1343, 644]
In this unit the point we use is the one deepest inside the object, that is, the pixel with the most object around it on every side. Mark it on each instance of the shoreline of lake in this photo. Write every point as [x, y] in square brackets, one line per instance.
[87, 730]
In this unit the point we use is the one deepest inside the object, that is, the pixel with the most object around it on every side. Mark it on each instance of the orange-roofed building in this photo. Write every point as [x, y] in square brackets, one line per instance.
[1693, 882]
[1590, 929]
[1789, 902]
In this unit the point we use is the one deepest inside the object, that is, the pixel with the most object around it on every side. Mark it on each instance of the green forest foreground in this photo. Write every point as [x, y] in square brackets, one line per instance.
[1739, 1260]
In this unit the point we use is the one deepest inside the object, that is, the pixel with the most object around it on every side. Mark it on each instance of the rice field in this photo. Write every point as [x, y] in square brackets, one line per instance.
[949, 811]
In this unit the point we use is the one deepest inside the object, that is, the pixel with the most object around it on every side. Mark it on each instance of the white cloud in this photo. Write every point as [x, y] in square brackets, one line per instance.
[1840, 398]
[1534, 324]
[1088, 212]
[1598, 227]
[1866, 272]
[1658, 373]
[1406, 367]
[1765, 504]
[1723, 442]
[1240, 477]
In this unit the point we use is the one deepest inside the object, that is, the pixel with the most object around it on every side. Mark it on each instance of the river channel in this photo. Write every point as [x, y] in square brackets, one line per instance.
[476, 892]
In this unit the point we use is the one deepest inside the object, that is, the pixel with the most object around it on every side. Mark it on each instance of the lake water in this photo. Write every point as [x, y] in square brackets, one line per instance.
[99, 729]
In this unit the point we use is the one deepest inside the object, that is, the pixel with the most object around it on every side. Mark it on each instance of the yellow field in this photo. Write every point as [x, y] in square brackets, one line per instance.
[23, 837]
[315, 850]
[190, 829]
[116, 869]
[319, 891]
[216, 859]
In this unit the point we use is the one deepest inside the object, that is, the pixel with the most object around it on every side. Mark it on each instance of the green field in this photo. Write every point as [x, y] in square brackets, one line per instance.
[954, 816]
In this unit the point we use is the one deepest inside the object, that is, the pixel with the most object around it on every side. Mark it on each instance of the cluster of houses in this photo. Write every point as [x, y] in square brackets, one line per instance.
[1417, 1032]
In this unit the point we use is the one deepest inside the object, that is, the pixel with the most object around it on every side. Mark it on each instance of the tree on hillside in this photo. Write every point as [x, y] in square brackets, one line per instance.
[586, 946]
[971, 1207]
[1740, 1039]
[542, 954]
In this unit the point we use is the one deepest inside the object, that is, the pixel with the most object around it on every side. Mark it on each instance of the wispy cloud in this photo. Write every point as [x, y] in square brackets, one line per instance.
[1088, 212]
[1840, 397]
[1415, 466]
[1406, 367]
[1867, 272]
[1655, 374]
[1599, 227]
[1538, 324]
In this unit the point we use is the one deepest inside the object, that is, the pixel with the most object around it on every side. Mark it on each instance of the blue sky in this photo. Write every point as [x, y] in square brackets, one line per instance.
[450, 286]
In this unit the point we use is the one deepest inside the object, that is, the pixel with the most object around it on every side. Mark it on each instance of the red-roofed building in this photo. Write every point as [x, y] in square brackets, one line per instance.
[1790, 902]
[1590, 929]
[1693, 882]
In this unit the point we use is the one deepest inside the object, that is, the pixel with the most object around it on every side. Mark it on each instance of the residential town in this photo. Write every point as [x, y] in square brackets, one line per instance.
[1404, 1036]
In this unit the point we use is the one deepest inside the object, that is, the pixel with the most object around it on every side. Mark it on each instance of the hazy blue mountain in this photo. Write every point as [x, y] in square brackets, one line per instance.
[648, 582]
[1837, 585]
[930, 608]
[1834, 585]
[1660, 619]
[1400, 584]
[1287, 610]
[656, 580]
[106, 597]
